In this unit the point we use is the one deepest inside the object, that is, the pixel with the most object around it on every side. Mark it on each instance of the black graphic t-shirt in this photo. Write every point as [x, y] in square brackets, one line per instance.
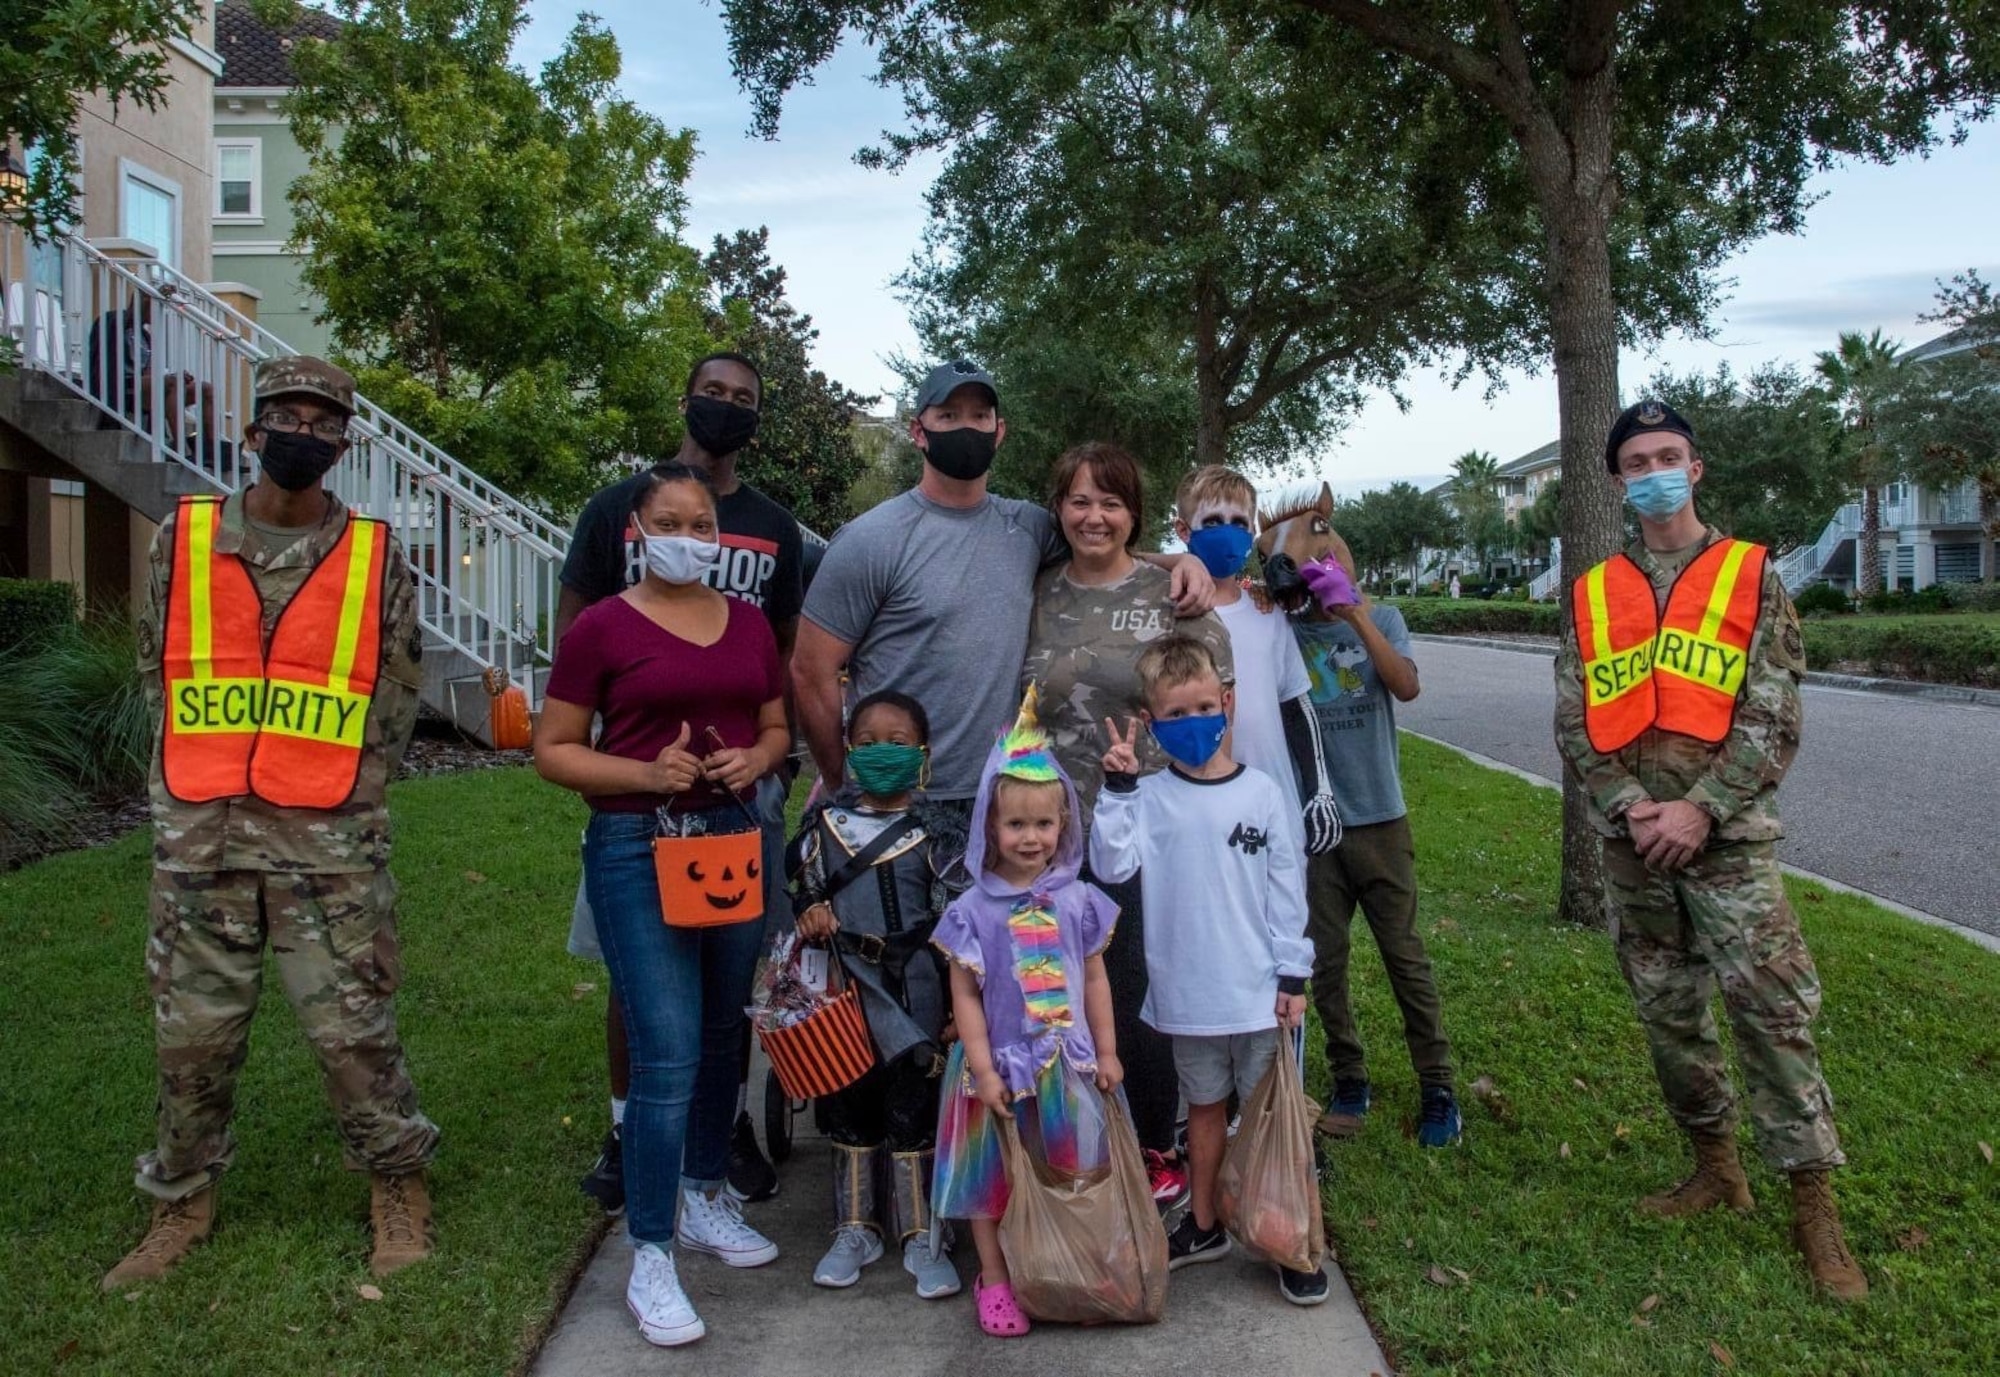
[761, 550]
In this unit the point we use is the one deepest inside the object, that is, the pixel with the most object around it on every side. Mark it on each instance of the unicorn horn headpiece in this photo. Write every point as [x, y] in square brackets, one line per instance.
[1024, 750]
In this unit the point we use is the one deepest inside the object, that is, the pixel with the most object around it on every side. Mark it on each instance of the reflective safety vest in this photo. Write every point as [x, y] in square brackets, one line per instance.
[1681, 671]
[284, 725]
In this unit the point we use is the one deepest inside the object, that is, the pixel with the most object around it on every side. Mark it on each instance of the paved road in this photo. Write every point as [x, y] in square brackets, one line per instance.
[1899, 797]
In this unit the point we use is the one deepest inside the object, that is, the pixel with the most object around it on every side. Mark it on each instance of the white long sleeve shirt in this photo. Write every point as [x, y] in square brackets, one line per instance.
[1223, 895]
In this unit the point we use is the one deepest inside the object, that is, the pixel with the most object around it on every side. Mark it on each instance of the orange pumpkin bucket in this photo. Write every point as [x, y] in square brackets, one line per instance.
[710, 879]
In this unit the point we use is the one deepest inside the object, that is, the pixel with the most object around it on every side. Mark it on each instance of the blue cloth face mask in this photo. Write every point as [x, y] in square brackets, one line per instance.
[1223, 550]
[1191, 741]
[1659, 495]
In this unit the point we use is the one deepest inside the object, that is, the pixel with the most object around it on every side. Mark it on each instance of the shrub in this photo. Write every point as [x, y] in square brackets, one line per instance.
[1940, 654]
[1936, 598]
[73, 727]
[1976, 597]
[31, 608]
[1467, 617]
[1822, 599]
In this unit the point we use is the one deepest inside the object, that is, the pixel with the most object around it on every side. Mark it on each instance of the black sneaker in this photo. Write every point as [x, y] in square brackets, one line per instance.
[1442, 1125]
[1189, 1243]
[1304, 1288]
[605, 1181]
[751, 1177]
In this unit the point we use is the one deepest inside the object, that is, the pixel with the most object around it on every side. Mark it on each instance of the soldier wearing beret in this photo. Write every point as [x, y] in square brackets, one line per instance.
[1678, 710]
[279, 647]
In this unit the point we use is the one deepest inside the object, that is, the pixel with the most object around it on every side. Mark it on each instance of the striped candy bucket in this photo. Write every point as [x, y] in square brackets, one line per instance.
[827, 1050]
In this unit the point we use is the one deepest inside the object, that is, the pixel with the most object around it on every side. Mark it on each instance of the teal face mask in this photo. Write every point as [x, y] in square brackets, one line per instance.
[886, 768]
[1659, 495]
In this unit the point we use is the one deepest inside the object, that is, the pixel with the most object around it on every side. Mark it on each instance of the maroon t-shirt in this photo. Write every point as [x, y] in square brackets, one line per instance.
[644, 681]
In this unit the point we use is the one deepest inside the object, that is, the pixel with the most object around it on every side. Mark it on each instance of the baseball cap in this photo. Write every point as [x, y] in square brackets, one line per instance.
[304, 375]
[1643, 418]
[947, 378]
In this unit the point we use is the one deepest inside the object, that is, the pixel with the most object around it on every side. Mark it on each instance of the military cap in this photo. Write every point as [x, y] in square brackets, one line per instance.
[947, 378]
[303, 375]
[1643, 418]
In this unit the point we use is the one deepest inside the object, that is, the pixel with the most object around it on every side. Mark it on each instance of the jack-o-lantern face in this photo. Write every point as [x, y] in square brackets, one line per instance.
[725, 900]
[710, 879]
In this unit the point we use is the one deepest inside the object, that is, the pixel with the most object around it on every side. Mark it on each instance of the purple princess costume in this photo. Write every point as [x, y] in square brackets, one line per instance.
[1027, 948]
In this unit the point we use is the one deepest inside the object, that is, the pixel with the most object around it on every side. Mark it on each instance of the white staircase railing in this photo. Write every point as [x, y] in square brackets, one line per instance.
[172, 363]
[1547, 583]
[1802, 566]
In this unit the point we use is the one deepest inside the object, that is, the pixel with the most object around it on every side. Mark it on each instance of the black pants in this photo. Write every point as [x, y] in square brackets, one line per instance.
[1151, 1086]
[897, 1104]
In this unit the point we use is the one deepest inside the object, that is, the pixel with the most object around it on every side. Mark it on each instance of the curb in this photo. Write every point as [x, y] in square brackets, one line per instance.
[1854, 683]
[1976, 936]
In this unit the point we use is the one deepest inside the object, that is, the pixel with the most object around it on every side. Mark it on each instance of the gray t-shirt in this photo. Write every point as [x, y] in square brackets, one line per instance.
[1357, 717]
[935, 601]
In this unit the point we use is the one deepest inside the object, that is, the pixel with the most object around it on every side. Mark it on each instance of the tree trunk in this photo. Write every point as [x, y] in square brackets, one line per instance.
[1583, 322]
[1868, 549]
[1211, 433]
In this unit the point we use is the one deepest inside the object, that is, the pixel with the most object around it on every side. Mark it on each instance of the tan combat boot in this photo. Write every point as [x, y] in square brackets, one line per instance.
[177, 1226]
[1816, 1233]
[1717, 1179]
[399, 1212]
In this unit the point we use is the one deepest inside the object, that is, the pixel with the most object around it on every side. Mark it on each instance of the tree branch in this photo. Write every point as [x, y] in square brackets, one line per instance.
[1465, 67]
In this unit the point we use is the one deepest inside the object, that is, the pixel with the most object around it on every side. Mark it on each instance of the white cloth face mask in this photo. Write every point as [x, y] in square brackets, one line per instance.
[680, 559]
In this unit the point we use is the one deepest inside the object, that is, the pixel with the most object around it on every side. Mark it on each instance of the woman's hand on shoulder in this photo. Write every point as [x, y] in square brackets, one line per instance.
[674, 770]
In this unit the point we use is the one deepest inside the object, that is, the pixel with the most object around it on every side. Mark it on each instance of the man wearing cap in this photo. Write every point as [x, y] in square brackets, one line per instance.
[279, 647]
[930, 593]
[1677, 708]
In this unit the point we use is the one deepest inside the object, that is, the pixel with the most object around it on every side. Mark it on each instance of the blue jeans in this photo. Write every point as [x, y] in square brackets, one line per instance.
[682, 992]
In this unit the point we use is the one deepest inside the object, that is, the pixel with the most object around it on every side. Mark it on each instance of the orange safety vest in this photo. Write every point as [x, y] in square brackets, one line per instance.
[1681, 672]
[285, 725]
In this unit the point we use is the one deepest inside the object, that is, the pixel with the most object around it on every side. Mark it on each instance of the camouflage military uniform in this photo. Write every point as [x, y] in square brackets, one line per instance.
[230, 875]
[1724, 919]
[1084, 645]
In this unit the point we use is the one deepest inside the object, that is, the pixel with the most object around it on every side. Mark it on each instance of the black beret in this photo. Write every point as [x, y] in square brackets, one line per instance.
[1643, 418]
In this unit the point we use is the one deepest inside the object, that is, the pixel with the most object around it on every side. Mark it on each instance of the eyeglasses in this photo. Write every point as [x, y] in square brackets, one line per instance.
[287, 423]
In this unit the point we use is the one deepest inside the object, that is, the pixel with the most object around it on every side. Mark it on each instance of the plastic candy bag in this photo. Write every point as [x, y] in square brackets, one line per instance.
[1085, 1247]
[1267, 1194]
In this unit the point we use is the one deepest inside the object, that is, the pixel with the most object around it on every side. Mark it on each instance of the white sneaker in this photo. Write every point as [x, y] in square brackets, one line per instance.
[712, 1225]
[854, 1247]
[655, 1298]
[936, 1275]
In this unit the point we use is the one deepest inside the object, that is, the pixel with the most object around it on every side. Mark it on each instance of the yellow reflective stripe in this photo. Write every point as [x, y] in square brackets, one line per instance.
[1701, 660]
[1725, 589]
[198, 707]
[1611, 678]
[1600, 617]
[359, 560]
[201, 587]
[314, 713]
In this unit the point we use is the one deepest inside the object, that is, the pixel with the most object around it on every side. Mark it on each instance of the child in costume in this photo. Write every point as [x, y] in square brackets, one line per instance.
[872, 879]
[1030, 998]
[1226, 950]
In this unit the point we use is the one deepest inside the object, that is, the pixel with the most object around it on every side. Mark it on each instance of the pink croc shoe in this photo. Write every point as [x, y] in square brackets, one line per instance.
[999, 1313]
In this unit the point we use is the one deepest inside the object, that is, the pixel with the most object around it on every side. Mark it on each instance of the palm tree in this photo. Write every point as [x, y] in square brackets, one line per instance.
[1475, 494]
[1861, 373]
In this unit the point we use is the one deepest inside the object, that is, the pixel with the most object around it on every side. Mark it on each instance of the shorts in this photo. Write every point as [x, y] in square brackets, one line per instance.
[772, 792]
[1210, 1067]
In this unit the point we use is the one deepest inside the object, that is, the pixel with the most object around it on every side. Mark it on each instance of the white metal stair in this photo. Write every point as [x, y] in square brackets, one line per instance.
[486, 564]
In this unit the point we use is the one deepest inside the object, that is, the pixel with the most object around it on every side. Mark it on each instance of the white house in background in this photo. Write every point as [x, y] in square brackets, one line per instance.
[1518, 484]
[1928, 535]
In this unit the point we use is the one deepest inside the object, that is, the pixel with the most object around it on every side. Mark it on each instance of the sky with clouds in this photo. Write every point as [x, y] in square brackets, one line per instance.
[1869, 258]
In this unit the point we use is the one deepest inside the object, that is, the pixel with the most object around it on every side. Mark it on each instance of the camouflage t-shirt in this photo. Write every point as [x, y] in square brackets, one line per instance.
[1735, 781]
[1084, 645]
[247, 833]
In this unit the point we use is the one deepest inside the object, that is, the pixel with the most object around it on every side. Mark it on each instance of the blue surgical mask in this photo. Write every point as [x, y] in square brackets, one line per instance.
[1191, 741]
[1659, 495]
[1223, 550]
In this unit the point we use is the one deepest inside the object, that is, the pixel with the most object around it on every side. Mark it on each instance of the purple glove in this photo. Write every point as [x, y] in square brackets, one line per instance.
[1328, 582]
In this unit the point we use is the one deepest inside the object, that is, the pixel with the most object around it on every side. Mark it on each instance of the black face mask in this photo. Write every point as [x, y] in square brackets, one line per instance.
[720, 427]
[964, 454]
[295, 462]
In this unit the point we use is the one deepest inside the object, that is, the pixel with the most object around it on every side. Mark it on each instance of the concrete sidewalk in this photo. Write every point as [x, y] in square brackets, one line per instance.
[1222, 1317]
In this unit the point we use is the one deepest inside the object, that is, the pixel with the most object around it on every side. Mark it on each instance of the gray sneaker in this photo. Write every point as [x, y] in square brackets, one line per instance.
[936, 1275]
[854, 1247]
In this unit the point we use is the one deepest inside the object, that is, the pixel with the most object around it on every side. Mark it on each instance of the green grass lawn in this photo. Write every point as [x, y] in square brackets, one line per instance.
[1559, 1275]
[506, 1048]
